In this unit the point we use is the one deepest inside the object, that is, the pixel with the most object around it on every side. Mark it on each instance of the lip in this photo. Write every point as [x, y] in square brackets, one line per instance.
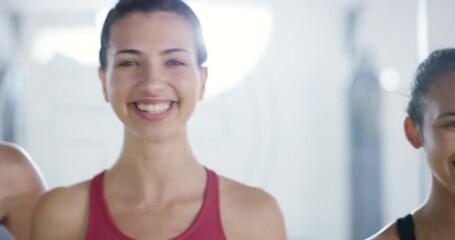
[152, 117]
[153, 101]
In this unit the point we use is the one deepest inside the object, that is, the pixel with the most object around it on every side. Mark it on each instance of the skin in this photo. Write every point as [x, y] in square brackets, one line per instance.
[435, 219]
[20, 188]
[155, 189]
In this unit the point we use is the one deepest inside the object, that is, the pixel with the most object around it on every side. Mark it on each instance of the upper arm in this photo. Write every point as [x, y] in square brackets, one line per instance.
[268, 219]
[21, 186]
[60, 214]
[251, 213]
[46, 218]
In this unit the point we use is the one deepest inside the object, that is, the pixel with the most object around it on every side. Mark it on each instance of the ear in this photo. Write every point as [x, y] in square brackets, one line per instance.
[102, 77]
[203, 73]
[412, 133]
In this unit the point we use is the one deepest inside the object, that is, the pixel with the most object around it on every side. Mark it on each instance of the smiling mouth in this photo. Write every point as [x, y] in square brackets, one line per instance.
[153, 108]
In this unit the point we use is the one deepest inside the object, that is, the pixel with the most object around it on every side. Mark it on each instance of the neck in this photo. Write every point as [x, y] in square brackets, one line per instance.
[438, 212]
[165, 166]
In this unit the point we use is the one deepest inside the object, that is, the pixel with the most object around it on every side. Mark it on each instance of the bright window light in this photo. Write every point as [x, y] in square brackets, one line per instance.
[77, 43]
[235, 37]
[100, 16]
[389, 79]
[80, 44]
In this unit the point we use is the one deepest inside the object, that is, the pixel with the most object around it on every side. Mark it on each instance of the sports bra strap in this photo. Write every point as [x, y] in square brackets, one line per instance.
[405, 227]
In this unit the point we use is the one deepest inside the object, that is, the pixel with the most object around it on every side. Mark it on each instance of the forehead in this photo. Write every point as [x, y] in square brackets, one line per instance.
[441, 95]
[157, 28]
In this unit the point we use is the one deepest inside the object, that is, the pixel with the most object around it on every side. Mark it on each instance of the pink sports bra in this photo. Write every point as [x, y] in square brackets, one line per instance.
[207, 225]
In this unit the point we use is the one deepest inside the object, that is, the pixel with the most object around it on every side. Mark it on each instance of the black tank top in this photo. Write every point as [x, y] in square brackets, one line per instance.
[405, 227]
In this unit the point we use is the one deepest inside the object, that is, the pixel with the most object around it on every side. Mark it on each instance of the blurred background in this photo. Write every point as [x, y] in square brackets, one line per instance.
[306, 99]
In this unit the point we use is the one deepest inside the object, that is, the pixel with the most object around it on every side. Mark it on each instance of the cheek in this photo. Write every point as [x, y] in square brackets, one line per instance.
[119, 83]
[430, 145]
[188, 82]
[439, 147]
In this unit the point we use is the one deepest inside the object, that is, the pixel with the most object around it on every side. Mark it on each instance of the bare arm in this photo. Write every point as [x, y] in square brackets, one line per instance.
[21, 186]
[61, 214]
[250, 213]
[269, 222]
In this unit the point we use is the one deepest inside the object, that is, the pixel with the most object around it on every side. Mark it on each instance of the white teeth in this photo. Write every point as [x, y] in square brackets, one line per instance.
[153, 108]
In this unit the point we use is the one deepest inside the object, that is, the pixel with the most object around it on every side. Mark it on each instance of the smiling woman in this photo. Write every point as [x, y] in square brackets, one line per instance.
[152, 74]
[431, 125]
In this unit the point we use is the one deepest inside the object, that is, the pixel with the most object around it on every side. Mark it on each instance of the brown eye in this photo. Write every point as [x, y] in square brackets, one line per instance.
[450, 124]
[127, 63]
[174, 62]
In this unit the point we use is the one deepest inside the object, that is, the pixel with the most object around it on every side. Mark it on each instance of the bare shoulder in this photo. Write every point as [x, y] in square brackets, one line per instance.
[20, 187]
[249, 213]
[10, 150]
[13, 156]
[62, 213]
[389, 232]
[16, 164]
[19, 178]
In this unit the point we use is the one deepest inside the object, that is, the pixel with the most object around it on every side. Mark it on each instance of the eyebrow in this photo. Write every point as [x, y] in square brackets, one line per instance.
[446, 114]
[163, 52]
[172, 50]
[129, 51]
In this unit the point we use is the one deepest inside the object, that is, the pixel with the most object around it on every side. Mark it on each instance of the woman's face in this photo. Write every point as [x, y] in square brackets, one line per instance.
[152, 78]
[438, 130]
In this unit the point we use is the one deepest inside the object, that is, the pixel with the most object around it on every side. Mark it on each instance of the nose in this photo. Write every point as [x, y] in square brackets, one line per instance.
[152, 80]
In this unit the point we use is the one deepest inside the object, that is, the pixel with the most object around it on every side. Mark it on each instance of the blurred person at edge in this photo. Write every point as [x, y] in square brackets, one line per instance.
[431, 125]
[21, 185]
